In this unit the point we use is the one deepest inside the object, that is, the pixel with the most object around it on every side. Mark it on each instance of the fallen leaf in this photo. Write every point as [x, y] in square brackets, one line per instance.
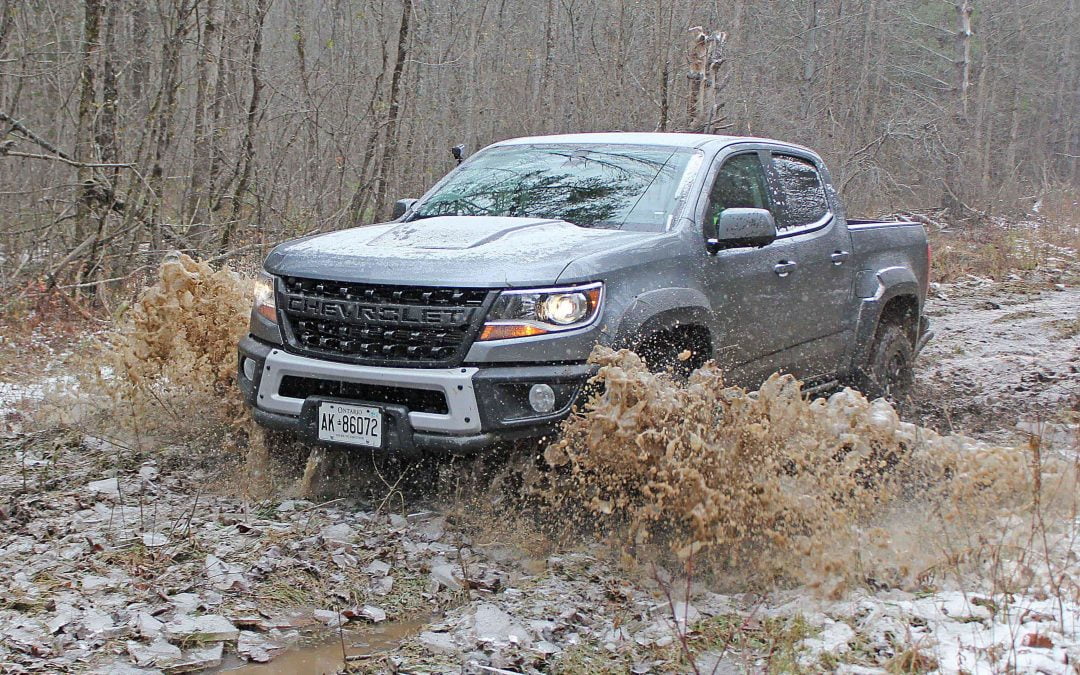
[1037, 640]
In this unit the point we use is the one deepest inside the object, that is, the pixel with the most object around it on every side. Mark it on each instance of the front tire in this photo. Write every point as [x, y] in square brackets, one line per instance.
[678, 351]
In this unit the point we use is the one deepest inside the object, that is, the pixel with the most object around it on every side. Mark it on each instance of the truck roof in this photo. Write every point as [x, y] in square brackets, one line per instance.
[682, 140]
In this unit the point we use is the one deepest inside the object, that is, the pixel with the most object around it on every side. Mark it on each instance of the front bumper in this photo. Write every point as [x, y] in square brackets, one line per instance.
[450, 410]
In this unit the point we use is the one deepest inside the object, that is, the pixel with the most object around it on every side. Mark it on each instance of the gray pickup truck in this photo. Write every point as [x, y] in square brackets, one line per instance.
[468, 319]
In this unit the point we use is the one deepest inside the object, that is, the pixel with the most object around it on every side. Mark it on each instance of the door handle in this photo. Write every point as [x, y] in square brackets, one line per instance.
[838, 257]
[784, 268]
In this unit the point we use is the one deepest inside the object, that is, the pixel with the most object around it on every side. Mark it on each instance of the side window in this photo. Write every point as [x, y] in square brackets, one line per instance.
[740, 183]
[799, 191]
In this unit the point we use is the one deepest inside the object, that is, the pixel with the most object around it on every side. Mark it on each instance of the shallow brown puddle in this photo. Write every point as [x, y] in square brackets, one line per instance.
[322, 653]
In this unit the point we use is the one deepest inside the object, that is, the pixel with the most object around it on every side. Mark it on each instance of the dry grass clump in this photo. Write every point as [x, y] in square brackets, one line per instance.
[772, 486]
[996, 248]
[174, 358]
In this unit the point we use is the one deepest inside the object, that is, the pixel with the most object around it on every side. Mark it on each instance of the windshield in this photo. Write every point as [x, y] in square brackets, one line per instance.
[596, 185]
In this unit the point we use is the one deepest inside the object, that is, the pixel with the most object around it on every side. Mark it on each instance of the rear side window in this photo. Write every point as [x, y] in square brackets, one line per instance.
[799, 191]
[740, 184]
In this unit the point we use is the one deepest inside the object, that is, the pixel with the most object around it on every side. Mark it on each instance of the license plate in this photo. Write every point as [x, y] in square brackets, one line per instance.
[355, 424]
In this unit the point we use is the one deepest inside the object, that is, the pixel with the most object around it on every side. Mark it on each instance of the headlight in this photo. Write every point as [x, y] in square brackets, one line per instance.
[563, 309]
[536, 312]
[265, 302]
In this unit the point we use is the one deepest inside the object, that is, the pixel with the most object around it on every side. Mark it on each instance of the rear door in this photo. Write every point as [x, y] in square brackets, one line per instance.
[814, 332]
[750, 299]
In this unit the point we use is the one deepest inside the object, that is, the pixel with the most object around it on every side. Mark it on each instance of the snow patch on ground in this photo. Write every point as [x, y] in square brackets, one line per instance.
[958, 631]
[14, 392]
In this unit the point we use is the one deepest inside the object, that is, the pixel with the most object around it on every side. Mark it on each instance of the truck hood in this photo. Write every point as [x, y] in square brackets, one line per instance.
[476, 251]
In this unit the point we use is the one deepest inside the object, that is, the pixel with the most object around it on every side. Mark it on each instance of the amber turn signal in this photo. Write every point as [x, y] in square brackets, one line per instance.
[269, 311]
[504, 331]
[265, 304]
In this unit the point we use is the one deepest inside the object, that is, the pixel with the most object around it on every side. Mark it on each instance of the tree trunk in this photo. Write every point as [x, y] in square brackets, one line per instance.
[308, 102]
[140, 67]
[697, 58]
[863, 98]
[196, 206]
[218, 100]
[953, 197]
[964, 10]
[393, 110]
[92, 10]
[106, 137]
[547, 88]
[7, 21]
[472, 78]
[665, 72]
[810, 58]
[162, 115]
[262, 7]
[1066, 105]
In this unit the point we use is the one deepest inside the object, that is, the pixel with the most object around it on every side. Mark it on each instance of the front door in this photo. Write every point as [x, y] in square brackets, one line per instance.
[751, 298]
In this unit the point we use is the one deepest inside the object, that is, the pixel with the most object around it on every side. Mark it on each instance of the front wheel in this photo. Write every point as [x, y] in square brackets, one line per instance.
[679, 351]
[890, 371]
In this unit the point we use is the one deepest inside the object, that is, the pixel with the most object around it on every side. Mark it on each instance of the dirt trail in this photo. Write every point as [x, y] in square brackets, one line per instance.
[1003, 354]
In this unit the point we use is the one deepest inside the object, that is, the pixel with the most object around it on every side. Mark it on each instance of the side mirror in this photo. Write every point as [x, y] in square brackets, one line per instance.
[740, 228]
[458, 151]
[401, 207]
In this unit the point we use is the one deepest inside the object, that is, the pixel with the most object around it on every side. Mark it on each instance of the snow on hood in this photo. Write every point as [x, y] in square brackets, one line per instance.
[448, 250]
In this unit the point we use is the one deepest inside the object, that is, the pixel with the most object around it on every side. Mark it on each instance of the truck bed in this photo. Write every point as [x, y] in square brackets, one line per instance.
[880, 245]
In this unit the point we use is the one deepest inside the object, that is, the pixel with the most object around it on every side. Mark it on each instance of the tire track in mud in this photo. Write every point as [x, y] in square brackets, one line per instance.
[1002, 354]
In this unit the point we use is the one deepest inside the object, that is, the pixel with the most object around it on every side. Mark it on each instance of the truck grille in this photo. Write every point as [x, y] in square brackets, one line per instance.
[381, 324]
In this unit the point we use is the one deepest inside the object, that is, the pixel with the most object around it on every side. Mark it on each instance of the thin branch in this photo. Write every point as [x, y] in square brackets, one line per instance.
[16, 125]
[910, 17]
[945, 86]
[66, 160]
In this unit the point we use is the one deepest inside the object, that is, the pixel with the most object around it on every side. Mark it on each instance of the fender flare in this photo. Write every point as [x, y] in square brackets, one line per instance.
[659, 310]
[875, 291]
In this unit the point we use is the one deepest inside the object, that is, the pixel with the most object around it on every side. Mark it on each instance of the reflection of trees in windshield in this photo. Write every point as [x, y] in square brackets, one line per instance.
[584, 201]
[591, 188]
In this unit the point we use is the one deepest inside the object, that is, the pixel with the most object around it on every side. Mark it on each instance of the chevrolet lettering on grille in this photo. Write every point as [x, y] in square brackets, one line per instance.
[355, 312]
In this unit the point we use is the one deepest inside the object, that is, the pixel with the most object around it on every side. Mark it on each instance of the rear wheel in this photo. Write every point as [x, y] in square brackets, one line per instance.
[890, 371]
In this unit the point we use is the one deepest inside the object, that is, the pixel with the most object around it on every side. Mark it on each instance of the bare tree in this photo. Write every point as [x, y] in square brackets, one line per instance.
[394, 109]
[92, 11]
[244, 162]
[132, 127]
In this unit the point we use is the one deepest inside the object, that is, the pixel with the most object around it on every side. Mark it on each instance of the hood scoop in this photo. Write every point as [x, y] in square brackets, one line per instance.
[454, 232]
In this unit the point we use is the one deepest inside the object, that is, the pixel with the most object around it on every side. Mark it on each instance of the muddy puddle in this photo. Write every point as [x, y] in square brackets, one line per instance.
[329, 652]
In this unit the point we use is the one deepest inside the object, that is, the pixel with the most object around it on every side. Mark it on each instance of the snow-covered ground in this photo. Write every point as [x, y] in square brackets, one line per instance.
[32, 367]
[12, 393]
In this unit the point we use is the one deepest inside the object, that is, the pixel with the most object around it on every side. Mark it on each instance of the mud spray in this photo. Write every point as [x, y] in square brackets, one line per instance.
[171, 374]
[750, 489]
[763, 488]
